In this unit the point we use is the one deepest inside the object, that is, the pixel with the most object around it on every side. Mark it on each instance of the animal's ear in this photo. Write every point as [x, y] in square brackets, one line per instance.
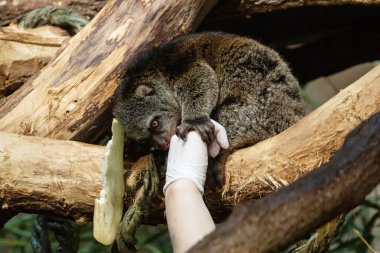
[143, 91]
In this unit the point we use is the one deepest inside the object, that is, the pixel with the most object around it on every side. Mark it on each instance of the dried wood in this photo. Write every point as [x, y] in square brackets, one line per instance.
[258, 6]
[25, 52]
[274, 222]
[71, 97]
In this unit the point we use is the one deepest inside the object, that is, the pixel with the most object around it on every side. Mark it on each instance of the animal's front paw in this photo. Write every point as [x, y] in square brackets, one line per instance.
[205, 130]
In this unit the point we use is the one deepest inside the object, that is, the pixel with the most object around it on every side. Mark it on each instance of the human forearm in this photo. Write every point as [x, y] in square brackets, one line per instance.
[188, 217]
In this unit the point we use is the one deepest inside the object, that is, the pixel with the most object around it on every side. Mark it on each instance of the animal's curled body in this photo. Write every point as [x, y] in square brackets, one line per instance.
[236, 81]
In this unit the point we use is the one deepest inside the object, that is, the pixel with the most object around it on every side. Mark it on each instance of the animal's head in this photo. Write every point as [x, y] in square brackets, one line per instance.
[148, 111]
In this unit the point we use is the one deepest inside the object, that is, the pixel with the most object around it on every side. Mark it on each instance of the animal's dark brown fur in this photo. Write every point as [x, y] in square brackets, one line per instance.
[236, 81]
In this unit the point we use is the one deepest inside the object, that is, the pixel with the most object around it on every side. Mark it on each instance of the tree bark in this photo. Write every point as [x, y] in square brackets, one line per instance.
[274, 222]
[229, 10]
[71, 97]
[48, 176]
[24, 52]
[45, 176]
[258, 6]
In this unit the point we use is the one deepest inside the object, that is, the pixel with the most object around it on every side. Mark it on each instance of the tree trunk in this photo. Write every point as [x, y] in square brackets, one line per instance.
[71, 97]
[274, 222]
[45, 176]
[24, 52]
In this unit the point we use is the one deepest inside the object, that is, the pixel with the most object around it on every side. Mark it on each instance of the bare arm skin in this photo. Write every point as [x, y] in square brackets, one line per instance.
[187, 215]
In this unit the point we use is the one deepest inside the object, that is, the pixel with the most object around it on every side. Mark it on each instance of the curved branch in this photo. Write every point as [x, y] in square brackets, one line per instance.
[307, 204]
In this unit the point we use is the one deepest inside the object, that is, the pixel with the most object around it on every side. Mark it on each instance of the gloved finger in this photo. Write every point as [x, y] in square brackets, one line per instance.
[221, 135]
[213, 148]
[174, 141]
[175, 144]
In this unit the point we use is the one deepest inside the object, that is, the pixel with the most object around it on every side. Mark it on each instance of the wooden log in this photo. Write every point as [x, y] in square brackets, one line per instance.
[42, 175]
[236, 11]
[71, 97]
[274, 222]
[61, 177]
[259, 6]
[24, 52]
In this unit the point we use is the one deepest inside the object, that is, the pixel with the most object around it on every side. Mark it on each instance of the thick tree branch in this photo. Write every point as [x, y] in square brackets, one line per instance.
[257, 6]
[45, 176]
[71, 97]
[49, 176]
[24, 52]
[225, 13]
[274, 222]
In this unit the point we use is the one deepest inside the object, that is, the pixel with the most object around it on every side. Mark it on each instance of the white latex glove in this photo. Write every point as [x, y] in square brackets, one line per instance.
[220, 140]
[190, 159]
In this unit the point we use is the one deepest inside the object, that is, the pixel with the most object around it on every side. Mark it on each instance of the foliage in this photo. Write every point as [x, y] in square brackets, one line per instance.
[16, 237]
[365, 219]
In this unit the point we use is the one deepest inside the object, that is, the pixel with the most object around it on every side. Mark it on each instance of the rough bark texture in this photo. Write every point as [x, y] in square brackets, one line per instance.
[272, 223]
[45, 176]
[12, 10]
[228, 10]
[257, 6]
[24, 52]
[49, 176]
[71, 97]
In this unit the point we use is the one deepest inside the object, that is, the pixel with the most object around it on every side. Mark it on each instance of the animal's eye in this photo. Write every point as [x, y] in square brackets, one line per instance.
[154, 124]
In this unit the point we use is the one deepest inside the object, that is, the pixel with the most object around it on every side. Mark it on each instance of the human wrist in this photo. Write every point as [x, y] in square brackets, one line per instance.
[181, 185]
[196, 181]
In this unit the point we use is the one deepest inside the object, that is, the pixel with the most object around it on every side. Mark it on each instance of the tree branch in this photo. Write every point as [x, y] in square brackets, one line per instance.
[274, 222]
[251, 7]
[25, 52]
[257, 6]
[71, 97]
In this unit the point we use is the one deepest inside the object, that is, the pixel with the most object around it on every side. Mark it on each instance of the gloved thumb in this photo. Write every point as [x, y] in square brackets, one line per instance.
[221, 135]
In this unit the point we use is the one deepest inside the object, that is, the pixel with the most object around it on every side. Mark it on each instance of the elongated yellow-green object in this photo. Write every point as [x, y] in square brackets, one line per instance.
[109, 206]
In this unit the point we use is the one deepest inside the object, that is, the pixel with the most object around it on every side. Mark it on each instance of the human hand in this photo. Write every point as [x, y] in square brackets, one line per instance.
[190, 159]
